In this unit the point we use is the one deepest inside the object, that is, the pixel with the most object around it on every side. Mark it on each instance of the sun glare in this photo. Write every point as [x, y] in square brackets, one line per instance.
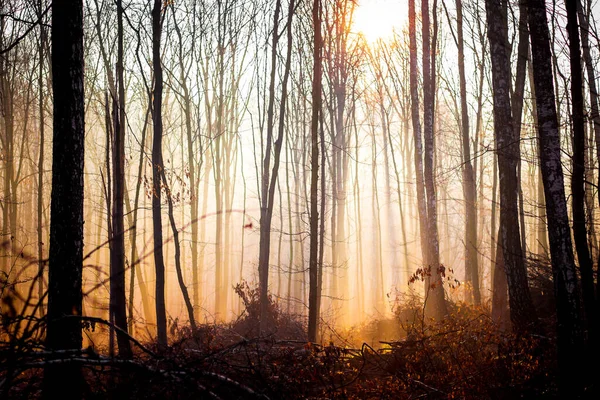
[377, 19]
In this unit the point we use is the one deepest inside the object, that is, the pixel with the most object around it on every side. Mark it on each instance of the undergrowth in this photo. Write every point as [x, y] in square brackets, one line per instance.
[465, 356]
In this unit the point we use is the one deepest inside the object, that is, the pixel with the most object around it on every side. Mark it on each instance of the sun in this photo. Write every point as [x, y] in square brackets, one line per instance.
[377, 19]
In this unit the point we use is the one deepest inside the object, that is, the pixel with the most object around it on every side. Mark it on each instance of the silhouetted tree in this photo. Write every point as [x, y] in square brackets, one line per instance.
[66, 229]
[566, 291]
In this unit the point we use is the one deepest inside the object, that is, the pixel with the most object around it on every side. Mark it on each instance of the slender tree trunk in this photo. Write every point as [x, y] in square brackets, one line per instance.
[117, 273]
[157, 167]
[580, 234]
[66, 230]
[469, 184]
[584, 29]
[416, 125]
[269, 179]
[517, 112]
[191, 158]
[313, 312]
[40, 182]
[179, 270]
[435, 303]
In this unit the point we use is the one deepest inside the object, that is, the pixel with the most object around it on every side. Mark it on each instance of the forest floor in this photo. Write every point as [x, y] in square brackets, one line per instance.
[465, 357]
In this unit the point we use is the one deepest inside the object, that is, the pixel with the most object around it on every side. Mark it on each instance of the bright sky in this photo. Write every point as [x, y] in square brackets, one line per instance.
[377, 19]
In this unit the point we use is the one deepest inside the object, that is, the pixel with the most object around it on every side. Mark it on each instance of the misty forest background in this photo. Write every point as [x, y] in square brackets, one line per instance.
[271, 161]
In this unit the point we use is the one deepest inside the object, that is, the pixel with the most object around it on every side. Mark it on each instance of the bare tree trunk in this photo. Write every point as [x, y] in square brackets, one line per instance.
[193, 187]
[7, 155]
[377, 253]
[584, 29]
[117, 273]
[184, 291]
[522, 312]
[570, 338]
[360, 292]
[313, 312]
[580, 234]
[435, 304]
[66, 230]
[469, 184]
[269, 179]
[40, 182]
[157, 167]
[500, 314]
[416, 125]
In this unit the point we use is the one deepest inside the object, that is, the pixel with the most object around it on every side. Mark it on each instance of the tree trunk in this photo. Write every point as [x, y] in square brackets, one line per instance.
[522, 312]
[269, 178]
[157, 167]
[570, 338]
[578, 175]
[40, 183]
[176, 242]
[469, 184]
[416, 125]
[313, 312]
[594, 101]
[66, 230]
[435, 303]
[117, 264]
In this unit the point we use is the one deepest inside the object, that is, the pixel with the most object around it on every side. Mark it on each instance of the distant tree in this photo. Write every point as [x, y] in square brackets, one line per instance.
[416, 125]
[66, 229]
[269, 178]
[469, 181]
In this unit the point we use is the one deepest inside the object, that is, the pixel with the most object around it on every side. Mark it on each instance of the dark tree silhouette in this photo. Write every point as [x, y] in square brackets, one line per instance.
[66, 228]
[570, 338]
[157, 166]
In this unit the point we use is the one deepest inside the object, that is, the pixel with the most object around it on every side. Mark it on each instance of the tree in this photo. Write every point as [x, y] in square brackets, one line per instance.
[269, 179]
[66, 229]
[313, 311]
[522, 312]
[570, 338]
[580, 234]
[594, 106]
[157, 168]
[469, 182]
[435, 303]
[117, 262]
[416, 125]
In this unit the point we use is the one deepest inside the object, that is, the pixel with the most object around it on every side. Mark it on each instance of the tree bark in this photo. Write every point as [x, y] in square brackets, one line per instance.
[435, 302]
[313, 312]
[594, 101]
[522, 312]
[570, 338]
[66, 230]
[580, 234]
[157, 167]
